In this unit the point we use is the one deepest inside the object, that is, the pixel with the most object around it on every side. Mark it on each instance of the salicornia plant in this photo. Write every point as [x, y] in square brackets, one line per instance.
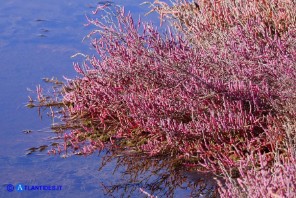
[215, 90]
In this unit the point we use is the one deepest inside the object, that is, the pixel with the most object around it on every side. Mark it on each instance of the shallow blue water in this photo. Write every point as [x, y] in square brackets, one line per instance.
[37, 39]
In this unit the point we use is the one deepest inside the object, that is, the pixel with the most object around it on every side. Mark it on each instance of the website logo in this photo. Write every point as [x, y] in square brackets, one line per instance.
[21, 187]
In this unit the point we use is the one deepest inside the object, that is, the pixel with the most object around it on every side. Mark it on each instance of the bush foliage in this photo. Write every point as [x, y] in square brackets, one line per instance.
[216, 91]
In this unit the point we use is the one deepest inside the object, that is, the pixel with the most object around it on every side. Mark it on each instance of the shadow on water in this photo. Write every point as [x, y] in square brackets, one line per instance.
[155, 177]
[132, 174]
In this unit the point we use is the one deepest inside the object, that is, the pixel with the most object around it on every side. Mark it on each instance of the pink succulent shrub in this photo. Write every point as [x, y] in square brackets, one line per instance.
[279, 180]
[203, 104]
[203, 16]
[212, 93]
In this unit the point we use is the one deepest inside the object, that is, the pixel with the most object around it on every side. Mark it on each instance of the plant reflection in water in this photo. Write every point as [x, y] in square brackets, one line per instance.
[155, 177]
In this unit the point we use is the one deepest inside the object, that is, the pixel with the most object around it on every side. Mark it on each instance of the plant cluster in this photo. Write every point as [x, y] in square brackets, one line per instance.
[216, 91]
